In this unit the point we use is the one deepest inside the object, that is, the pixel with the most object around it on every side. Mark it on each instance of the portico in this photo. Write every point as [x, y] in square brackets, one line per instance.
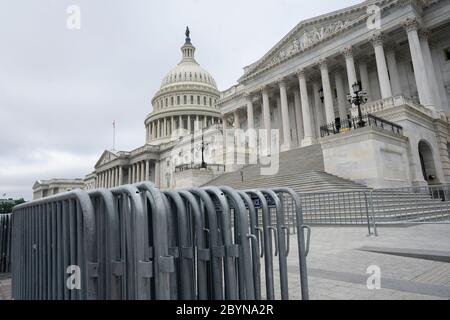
[302, 83]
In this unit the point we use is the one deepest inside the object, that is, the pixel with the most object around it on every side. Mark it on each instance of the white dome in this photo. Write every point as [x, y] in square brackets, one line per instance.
[188, 70]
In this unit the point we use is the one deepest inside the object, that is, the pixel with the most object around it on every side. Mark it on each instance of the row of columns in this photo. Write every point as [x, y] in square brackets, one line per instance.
[110, 178]
[163, 127]
[389, 83]
[137, 172]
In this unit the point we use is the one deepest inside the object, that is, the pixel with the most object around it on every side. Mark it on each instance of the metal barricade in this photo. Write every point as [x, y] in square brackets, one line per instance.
[139, 242]
[5, 243]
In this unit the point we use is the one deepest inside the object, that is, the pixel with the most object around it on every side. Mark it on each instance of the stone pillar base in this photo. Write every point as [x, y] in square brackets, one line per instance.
[286, 147]
[308, 141]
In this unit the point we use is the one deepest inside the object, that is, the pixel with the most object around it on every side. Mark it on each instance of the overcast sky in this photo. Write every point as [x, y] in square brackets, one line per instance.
[61, 89]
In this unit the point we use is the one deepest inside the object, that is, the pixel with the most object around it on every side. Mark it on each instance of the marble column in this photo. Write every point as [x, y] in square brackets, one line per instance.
[350, 64]
[278, 118]
[265, 112]
[308, 138]
[423, 87]
[165, 128]
[383, 75]
[250, 116]
[287, 141]
[158, 131]
[121, 176]
[157, 175]
[147, 170]
[365, 81]
[298, 116]
[189, 129]
[139, 171]
[341, 96]
[328, 97]
[430, 70]
[393, 71]
[154, 130]
[172, 126]
[180, 122]
[225, 136]
[250, 122]
[318, 105]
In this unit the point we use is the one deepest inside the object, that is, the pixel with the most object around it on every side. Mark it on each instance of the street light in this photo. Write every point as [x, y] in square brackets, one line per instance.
[203, 146]
[322, 98]
[359, 97]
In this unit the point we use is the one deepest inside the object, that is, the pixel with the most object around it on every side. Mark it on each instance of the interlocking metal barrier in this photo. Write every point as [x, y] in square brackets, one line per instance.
[139, 242]
[5, 243]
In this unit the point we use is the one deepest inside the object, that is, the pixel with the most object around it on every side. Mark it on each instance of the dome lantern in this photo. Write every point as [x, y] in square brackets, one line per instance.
[188, 49]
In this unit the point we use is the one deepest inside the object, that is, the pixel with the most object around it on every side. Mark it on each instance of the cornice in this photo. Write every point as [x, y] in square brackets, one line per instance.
[181, 111]
[253, 71]
[186, 88]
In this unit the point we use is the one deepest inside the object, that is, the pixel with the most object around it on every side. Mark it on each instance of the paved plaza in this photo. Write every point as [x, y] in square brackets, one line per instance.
[340, 256]
[337, 263]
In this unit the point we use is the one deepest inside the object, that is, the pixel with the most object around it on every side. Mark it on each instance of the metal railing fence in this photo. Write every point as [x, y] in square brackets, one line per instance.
[382, 206]
[139, 242]
[5, 243]
[367, 120]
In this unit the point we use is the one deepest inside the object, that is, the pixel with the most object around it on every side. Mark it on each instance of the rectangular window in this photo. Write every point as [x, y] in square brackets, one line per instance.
[185, 100]
[210, 101]
[171, 101]
[192, 99]
[447, 54]
[198, 100]
[204, 101]
[178, 100]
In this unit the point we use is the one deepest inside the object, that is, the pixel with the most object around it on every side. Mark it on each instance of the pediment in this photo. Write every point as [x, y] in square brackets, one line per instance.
[106, 157]
[309, 33]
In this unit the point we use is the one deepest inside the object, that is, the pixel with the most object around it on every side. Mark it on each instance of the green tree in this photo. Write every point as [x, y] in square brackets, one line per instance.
[6, 207]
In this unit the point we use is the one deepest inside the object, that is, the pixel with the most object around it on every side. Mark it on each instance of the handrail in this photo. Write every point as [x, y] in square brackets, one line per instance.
[367, 120]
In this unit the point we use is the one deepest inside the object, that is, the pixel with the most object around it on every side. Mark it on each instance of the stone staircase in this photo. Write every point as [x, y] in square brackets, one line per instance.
[327, 198]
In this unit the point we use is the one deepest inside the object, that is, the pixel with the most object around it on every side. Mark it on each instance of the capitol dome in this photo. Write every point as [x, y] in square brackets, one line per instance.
[186, 99]
[188, 72]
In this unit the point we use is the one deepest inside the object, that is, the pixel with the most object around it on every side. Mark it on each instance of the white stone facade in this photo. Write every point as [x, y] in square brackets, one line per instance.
[403, 63]
[398, 49]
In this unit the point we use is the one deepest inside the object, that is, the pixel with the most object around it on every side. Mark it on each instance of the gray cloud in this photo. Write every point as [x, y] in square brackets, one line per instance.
[60, 90]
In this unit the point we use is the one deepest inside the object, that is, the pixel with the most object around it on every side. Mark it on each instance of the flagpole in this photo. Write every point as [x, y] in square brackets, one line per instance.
[114, 135]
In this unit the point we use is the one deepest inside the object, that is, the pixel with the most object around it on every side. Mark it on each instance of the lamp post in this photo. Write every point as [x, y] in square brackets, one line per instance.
[321, 96]
[203, 146]
[358, 98]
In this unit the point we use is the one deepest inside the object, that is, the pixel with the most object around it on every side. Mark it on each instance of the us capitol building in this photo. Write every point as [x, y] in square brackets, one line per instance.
[399, 52]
